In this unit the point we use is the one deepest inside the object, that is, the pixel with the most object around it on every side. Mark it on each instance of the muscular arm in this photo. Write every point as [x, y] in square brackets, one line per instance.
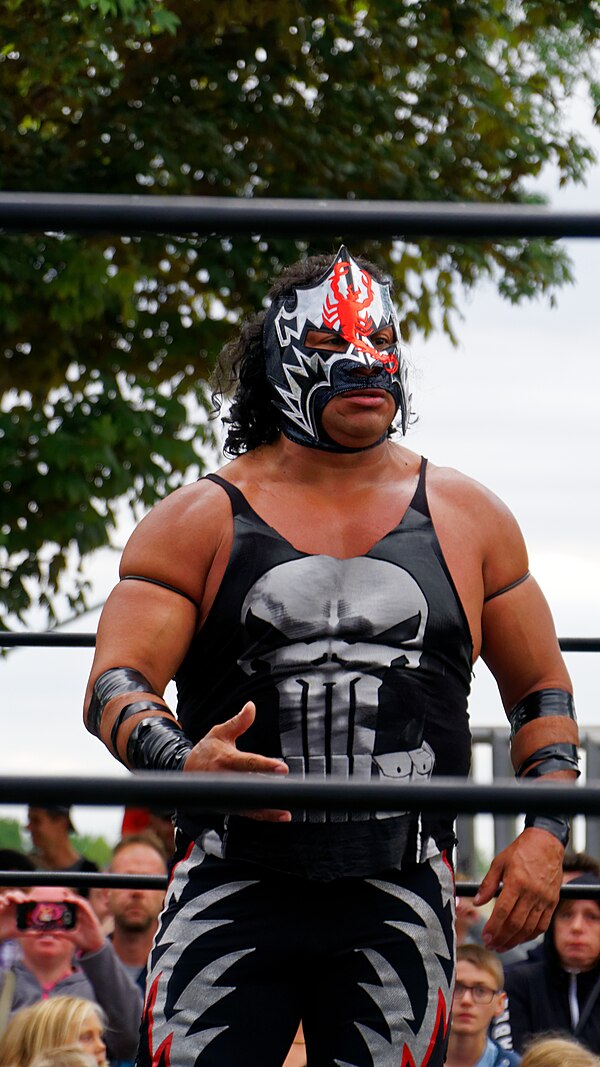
[146, 628]
[520, 646]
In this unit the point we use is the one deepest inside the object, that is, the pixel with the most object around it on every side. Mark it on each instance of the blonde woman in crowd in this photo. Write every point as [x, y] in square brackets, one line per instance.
[69, 1056]
[51, 1024]
[550, 1051]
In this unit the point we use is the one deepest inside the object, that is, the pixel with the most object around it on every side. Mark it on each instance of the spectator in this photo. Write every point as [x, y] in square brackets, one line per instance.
[158, 820]
[98, 898]
[560, 991]
[575, 863]
[553, 1051]
[78, 962]
[478, 998]
[12, 860]
[52, 848]
[135, 912]
[65, 1056]
[48, 1026]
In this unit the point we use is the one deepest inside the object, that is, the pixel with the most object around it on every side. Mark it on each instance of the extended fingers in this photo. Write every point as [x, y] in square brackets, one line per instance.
[516, 917]
[232, 729]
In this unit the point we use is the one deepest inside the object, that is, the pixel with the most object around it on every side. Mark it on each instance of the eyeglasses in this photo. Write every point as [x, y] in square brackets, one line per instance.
[482, 994]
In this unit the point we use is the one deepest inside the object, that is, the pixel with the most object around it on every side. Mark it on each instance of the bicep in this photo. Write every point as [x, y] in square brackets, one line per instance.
[520, 645]
[147, 628]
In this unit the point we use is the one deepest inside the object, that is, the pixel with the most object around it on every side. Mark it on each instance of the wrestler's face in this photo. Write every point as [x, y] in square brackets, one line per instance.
[337, 337]
[357, 418]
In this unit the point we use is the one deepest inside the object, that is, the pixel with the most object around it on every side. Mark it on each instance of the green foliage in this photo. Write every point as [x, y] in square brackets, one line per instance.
[104, 341]
[93, 848]
[10, 834]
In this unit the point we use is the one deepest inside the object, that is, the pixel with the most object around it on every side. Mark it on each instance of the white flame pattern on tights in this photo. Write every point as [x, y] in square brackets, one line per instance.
[390, 994]
[185, 929]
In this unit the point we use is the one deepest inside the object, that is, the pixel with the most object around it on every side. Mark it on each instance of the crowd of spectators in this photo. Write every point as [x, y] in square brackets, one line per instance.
[72, 997]
[72, 971]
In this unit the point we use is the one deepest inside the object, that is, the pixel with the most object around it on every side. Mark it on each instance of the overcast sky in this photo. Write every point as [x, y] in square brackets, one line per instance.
[514, 406]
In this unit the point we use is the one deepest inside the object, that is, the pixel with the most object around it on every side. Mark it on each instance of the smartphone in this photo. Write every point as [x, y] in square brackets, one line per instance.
[44, 915]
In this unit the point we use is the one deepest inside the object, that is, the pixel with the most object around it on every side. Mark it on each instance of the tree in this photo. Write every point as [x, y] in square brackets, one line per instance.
[107, 344]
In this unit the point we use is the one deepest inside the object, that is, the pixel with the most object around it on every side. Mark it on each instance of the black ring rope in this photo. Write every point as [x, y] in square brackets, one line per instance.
[189, 792]
[49, 639]
[83, 879]
[230, 216]
[104, 880]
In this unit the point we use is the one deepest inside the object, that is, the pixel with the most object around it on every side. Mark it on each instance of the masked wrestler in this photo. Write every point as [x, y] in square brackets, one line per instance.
[321, 602]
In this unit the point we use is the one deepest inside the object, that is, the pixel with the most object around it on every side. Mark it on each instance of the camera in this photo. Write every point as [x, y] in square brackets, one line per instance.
[44, 915]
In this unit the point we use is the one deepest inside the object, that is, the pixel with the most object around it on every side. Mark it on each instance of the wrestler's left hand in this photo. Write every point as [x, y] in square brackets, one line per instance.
[217, 751]
[530, 871]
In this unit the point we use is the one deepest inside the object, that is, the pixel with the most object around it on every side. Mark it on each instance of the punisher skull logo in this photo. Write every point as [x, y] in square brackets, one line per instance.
[332, 629]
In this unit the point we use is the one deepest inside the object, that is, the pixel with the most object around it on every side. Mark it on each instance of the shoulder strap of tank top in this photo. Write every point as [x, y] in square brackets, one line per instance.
[419, 500]
[236, 497]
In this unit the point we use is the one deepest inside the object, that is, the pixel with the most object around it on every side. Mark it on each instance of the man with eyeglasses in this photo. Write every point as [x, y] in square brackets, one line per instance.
[478, 998]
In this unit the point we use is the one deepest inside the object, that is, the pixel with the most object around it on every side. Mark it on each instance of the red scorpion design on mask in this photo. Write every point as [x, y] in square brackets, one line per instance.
[348, 309]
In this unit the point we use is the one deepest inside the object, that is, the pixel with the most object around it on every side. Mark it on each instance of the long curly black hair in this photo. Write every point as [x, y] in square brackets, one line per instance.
[253, 419]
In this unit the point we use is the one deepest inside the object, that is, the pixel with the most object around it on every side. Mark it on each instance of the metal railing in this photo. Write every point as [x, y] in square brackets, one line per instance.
[233, 216]
[505, 826]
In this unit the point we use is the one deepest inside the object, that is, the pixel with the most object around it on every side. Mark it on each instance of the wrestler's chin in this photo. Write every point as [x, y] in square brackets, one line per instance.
[358, 420]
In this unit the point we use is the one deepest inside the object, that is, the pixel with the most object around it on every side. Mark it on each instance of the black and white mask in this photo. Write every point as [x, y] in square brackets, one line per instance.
[346, 300]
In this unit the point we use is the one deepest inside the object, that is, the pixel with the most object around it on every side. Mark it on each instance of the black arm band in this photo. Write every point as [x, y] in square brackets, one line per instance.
[561, 755]
[112, 683]
[507, 588]
[163, 585]
[132, 709]
[557, 757]
[558, 825]
[158, 744]
[539, 704]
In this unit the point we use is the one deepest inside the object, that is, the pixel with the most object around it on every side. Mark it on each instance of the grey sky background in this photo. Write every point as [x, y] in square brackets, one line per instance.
[515, 406]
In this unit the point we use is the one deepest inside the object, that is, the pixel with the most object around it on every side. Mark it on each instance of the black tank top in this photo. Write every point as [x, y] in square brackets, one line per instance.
[359, 668]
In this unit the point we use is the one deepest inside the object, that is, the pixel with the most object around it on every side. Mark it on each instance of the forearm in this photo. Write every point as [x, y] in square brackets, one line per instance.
[135, 722]
[544, 738]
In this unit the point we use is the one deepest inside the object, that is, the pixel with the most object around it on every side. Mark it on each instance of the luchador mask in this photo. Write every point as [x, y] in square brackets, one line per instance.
[346, 300]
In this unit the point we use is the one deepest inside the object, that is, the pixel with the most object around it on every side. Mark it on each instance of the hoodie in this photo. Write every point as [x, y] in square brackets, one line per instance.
[100, 977]
[543, 997]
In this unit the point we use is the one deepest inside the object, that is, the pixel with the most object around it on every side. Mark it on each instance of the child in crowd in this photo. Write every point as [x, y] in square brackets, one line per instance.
[51, 1024]
[553, 1051]
[478, 998]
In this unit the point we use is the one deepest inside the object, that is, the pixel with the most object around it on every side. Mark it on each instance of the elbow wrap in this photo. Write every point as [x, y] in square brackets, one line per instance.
[158, 744]
[128, 712]
[113, 683]
[538, 705]
[556, 757]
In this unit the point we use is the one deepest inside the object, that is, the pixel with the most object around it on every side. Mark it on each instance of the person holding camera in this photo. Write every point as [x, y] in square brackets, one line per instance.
[65, 952]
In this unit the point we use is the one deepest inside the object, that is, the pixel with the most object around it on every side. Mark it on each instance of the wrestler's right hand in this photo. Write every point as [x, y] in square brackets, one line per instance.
[217, 751]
